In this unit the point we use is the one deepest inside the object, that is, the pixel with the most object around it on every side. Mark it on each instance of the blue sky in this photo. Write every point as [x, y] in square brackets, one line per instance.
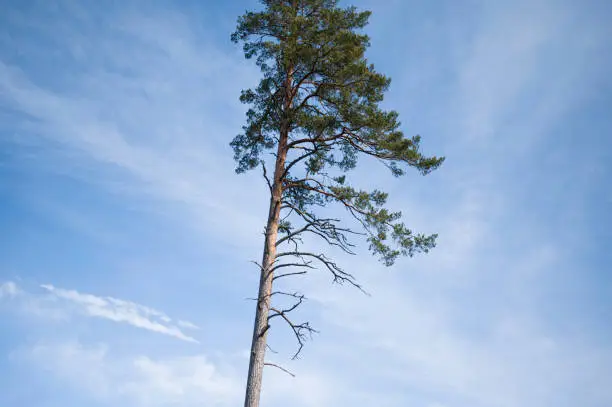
[124, 257]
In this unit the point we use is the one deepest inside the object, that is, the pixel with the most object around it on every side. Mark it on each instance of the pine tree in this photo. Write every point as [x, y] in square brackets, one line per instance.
[315, 112]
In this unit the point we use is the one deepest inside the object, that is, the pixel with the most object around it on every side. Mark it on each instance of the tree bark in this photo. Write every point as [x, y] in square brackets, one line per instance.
[258, 345]
[260, 329]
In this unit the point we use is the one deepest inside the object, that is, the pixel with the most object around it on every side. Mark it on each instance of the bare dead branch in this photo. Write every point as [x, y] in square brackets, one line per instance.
[297, 273]
[279, 367]
[292, 234]
[299, 330]
[265, 175]
[304, 264]
[353, 210]
[300, 298]
[325, 228]
[288, 294]
[339, 275]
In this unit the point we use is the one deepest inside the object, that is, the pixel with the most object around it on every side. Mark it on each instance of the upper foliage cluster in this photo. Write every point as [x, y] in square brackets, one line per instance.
[320, 93]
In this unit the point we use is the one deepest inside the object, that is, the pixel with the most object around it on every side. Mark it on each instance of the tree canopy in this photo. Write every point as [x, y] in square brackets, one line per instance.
[320, 89]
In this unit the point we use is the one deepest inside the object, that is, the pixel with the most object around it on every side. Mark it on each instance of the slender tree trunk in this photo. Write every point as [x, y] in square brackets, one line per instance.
[260, 329]
[258, 345]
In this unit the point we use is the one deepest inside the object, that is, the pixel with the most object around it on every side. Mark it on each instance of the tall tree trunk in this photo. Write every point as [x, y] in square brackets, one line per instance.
[260, 329]
[258, 345]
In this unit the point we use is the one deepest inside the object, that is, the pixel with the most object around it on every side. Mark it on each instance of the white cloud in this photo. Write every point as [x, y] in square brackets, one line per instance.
[9, 289]
[184, 380]
[118, 310]
[143, 381]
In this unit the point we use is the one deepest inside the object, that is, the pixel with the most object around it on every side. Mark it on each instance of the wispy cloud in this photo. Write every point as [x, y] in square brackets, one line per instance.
[138, 125]
[187, 325]
[61, 304]
[118, 310]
